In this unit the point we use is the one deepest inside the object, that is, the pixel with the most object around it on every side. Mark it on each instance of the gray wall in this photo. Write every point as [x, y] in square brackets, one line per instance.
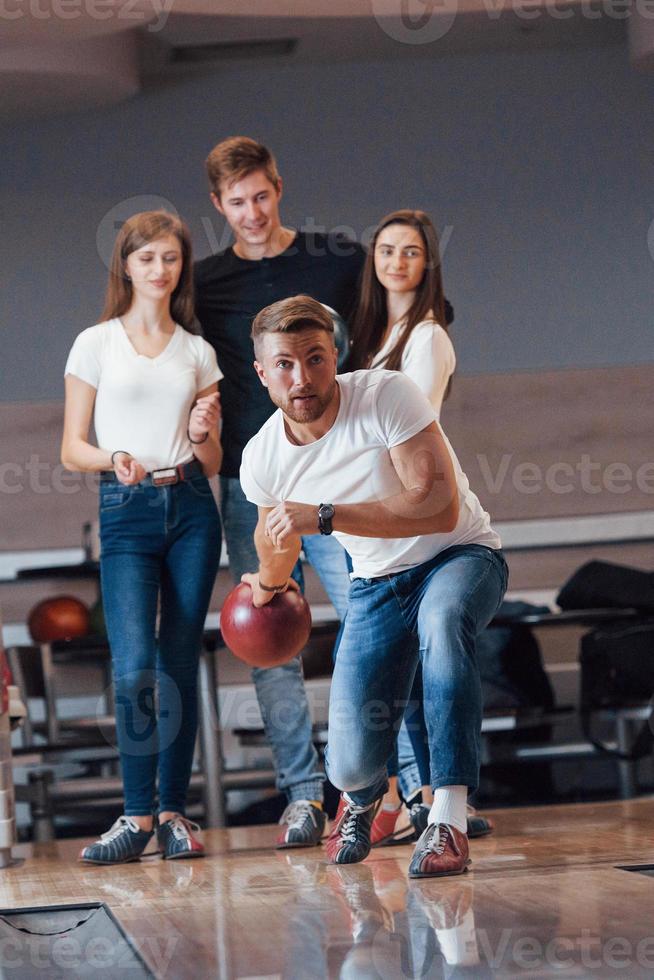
[539, 165]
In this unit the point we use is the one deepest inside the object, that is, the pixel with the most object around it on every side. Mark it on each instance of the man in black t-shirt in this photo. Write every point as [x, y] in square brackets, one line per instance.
[269, 262]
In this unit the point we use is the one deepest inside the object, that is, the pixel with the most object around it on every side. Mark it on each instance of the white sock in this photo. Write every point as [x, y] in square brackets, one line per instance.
[449, 806]
[459, 945]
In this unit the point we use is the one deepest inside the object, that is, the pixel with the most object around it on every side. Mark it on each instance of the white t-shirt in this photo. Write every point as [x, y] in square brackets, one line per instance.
[351, 464]
[142, 403]
[428, 358]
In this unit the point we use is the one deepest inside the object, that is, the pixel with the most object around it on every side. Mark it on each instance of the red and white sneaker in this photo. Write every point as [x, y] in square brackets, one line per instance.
[178, 838]
[386, 825]
[442, 850]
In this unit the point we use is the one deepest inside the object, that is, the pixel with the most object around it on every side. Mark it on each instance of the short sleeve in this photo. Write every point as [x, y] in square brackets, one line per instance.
[249, 481]
[208, 370]
[402, 410]
[429, 361]
[84, 360]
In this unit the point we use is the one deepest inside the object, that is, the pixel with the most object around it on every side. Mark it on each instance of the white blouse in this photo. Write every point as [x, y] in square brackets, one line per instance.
[143, 403]
[428, 358]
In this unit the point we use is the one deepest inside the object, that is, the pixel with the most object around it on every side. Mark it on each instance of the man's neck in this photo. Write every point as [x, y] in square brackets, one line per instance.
[302, 434]
[278, 242]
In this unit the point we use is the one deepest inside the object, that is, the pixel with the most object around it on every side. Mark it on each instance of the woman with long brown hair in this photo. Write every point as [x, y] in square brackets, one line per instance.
[151, 386]
[402, 317]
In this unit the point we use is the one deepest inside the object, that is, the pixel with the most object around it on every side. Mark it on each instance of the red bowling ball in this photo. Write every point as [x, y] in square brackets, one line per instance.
[268, 636]
[59, 618]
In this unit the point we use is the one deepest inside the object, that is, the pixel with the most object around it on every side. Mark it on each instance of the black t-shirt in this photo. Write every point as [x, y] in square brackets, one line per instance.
[230, 291]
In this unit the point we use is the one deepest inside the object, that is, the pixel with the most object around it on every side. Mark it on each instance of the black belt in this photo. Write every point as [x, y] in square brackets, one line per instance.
[162, 477]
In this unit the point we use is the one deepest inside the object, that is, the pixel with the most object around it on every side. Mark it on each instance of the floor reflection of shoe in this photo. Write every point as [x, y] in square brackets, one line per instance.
[390, 884]
[450, 914]
[304, 823]
[357, 888]
[442, 850]
[446, 910]
[306, 869]
[349, 841]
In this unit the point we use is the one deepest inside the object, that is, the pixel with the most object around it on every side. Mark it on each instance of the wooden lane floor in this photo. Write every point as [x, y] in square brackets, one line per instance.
[543, 898]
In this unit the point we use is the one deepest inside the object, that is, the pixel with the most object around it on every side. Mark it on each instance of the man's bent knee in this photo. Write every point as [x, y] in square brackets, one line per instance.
[348, 777]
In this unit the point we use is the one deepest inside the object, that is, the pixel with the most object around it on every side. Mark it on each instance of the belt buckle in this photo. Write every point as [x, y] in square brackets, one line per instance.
[161, 478]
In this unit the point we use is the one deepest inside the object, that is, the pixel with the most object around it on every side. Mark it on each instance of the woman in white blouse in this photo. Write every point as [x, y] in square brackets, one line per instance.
[150, 385]
[401, 321]
[401, 324]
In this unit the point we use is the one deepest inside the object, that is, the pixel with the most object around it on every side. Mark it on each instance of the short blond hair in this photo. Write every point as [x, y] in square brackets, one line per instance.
[291, 315]
[236, 158]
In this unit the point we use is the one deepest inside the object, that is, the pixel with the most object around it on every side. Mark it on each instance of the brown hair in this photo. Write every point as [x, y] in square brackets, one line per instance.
[140, 230]
[236, 158]
[371, 316]
[291, 315]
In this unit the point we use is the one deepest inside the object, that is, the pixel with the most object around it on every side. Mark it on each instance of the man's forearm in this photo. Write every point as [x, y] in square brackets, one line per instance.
[404, 515]
[276, 565]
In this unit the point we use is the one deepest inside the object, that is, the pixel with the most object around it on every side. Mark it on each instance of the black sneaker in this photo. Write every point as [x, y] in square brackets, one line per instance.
[123, 842]
[305, 824]
[349, 841]
[177, 838]
[478, 826]
[419, 814]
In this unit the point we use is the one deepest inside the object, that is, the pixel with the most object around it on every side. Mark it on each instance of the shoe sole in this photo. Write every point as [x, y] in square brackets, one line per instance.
[439, 874]
[406, 835]
[128, 860]
[293, 846]
[182, 854]
[399, 836]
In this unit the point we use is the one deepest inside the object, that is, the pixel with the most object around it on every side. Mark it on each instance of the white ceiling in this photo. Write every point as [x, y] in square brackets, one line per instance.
[58, 55]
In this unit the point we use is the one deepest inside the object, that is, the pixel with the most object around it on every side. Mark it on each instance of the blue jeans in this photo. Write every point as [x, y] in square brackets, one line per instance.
[280, 690]
[159, 545]
[430, 614]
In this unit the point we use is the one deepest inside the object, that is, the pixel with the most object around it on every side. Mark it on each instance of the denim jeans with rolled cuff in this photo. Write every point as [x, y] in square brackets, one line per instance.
[431, 614]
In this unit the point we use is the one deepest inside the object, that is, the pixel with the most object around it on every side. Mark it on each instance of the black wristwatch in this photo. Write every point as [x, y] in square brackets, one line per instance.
[325, 518]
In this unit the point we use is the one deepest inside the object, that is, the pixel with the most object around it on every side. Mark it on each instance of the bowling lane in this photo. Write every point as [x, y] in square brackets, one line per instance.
[543, 899]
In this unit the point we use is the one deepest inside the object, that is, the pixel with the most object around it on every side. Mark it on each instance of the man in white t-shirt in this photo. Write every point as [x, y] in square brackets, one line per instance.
[362, 456]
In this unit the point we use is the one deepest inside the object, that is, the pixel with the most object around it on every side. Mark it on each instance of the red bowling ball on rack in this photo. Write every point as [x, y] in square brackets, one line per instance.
[269, 635]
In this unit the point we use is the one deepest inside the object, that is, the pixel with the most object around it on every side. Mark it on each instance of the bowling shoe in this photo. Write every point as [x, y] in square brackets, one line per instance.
[442, 850]
[384, 829]
[389, 826]
[477, 826]
[304, 823]
[177, 838]
[124, 841]
[349, 841]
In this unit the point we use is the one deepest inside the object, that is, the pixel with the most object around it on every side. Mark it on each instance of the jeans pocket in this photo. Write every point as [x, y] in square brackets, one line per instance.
[200, 486]
[114, 498]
